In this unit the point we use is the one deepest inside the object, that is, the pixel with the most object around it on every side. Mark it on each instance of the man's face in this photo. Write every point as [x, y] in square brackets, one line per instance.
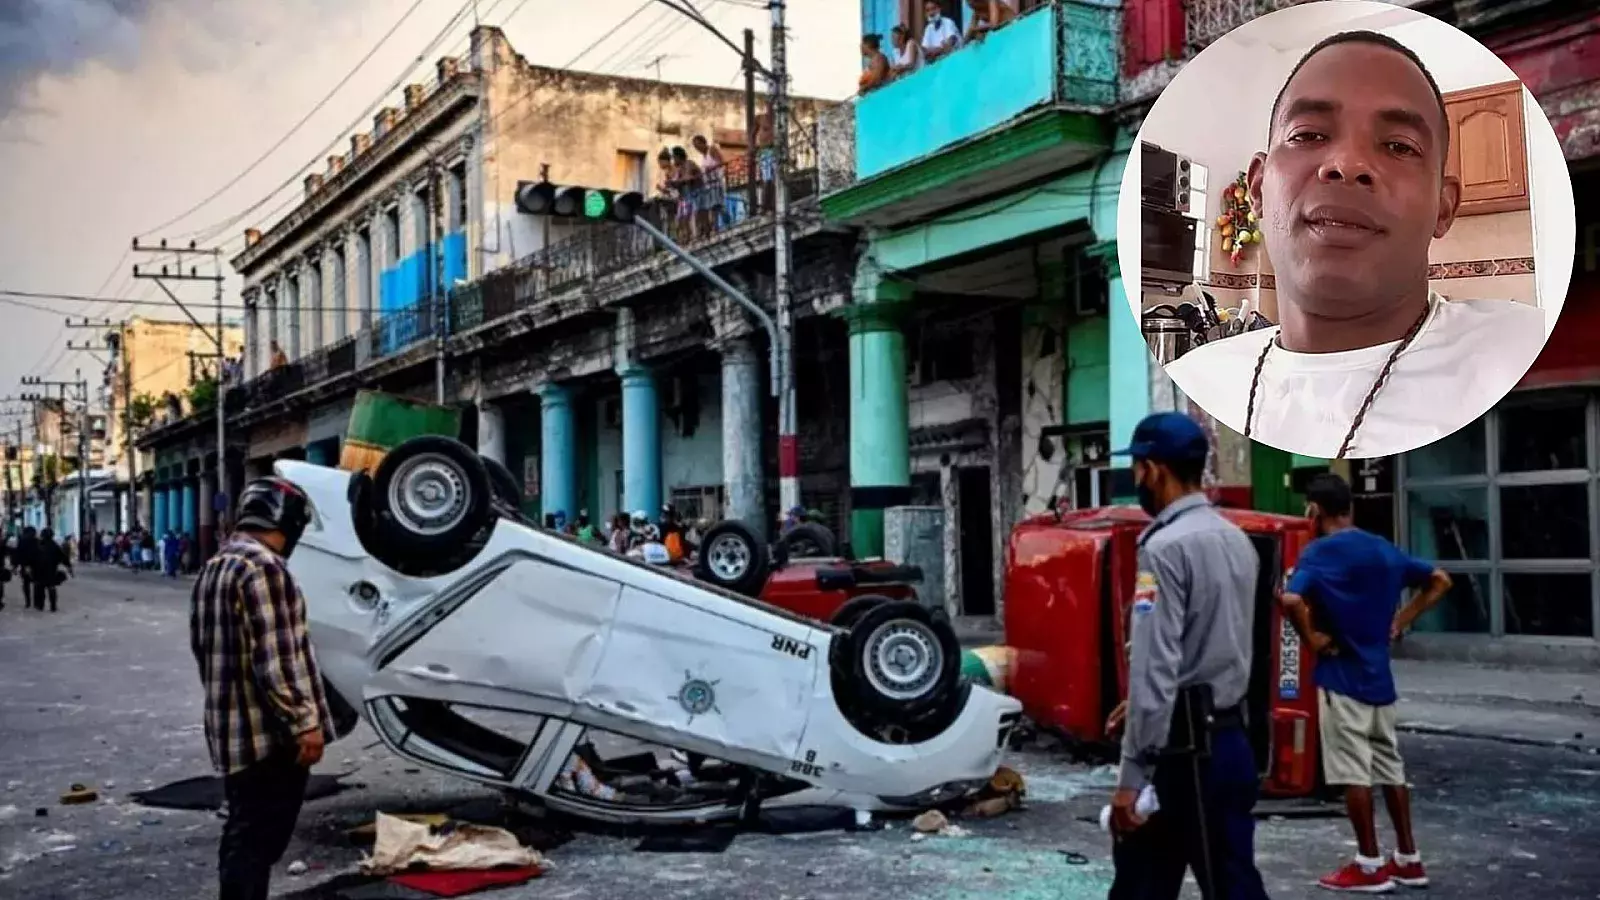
[931, 10]
[1351, 189]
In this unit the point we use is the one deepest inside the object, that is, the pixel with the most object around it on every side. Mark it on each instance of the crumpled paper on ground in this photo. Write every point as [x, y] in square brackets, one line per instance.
[401, 845]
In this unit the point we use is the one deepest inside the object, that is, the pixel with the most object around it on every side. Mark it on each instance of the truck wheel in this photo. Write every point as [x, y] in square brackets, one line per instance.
[808, 540]
[903, 661]
[734, 559]
[503, 483]
[855, 608]
[431, 496]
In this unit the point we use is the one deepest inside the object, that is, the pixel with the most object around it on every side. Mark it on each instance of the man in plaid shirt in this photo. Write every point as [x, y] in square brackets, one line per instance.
[266, 716]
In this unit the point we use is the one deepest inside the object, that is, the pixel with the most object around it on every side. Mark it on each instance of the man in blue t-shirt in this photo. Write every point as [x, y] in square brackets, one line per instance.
[1344, 600]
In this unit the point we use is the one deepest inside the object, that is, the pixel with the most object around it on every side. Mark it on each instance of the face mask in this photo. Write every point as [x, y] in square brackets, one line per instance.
[1147, 497]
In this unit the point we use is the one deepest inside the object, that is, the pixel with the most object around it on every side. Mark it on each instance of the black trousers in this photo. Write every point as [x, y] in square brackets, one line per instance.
[1206, 823]
[263, 803]
[42, 591]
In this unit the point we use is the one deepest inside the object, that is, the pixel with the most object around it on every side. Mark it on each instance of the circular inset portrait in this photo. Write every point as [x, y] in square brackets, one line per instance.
[1351, 228]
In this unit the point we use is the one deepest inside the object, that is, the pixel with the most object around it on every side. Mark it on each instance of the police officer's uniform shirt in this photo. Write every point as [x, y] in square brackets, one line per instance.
[1466, 356]
[1193, 611]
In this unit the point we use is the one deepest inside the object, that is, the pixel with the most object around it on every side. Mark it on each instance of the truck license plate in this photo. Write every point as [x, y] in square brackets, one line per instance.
[1288, 660]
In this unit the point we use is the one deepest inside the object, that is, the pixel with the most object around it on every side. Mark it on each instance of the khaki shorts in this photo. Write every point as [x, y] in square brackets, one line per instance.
[1358, 742]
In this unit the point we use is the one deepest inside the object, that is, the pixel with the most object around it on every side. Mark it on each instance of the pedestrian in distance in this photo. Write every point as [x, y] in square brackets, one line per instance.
[1344, 599]
[266, 716]
[23, 556]
[1184, 728]
[49, 560]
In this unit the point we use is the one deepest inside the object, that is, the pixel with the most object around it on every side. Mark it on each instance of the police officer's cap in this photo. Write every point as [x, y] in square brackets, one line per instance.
[1167, 437]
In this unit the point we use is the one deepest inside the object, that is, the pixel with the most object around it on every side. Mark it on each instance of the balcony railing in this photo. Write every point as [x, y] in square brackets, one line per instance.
[596, 250]
[1064, 52]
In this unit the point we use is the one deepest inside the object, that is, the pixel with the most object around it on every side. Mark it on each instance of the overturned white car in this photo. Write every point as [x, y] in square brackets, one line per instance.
[478, 644]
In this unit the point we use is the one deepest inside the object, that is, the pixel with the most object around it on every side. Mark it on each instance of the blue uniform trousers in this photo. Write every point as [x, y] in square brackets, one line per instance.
[1211, 831]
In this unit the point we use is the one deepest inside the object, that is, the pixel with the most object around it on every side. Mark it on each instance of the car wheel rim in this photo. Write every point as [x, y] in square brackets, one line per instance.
[728, 558]
[903, 659]
[428, 495]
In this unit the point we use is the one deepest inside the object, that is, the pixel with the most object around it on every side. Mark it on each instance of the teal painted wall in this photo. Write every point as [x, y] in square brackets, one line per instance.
[406, 284]
[976, 89]
[1089, 371]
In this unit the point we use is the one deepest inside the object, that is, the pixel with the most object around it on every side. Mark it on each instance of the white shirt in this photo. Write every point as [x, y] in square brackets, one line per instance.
[909, 57]
[1467, 356]
[937, 32]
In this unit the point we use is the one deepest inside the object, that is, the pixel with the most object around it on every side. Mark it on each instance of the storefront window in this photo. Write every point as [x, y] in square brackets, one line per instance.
[1548, 604]
[1464, 609]
[1547, 521]
[1544, 433]
[1459, 454]
[1449, 523]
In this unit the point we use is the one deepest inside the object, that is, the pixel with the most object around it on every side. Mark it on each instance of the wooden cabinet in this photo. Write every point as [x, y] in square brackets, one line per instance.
[1488, 148]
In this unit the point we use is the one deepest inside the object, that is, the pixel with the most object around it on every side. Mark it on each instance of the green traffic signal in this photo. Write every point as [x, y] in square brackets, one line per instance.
[595, 205]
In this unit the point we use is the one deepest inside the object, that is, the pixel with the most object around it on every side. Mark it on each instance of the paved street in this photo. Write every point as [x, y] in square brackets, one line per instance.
[104, 693]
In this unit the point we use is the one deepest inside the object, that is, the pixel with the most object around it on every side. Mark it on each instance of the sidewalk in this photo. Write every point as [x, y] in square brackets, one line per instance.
[1508, 705]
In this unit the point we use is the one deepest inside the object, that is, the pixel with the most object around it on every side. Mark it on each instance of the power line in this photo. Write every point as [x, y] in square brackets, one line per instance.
[320, 104]
[205, 234]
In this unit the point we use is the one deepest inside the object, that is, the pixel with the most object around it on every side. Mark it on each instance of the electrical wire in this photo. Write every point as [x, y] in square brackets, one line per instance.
[205, 234]
[295, 129]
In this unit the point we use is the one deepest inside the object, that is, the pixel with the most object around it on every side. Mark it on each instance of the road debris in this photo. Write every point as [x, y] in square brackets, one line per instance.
[78, 794]
[401, 845]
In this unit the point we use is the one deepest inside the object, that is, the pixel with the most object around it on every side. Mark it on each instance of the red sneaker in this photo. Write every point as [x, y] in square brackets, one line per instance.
[1410, 875]
[1356, 880]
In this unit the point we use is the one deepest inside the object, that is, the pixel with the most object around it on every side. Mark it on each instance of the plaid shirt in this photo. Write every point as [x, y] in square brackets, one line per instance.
[247, 628]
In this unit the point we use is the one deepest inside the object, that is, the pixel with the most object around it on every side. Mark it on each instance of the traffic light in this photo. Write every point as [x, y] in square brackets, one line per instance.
[541, 198]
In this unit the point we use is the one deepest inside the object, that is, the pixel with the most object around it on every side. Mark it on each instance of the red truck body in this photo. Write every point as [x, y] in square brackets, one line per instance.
[1069, 590]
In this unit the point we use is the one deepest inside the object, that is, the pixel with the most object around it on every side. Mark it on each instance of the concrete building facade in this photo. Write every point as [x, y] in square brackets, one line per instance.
[603, 372]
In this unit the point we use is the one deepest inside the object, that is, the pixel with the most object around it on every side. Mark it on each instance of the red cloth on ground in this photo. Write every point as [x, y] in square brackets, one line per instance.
[461, 883]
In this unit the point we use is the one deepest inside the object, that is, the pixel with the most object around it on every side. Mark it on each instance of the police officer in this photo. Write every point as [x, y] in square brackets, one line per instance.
[1189, 668]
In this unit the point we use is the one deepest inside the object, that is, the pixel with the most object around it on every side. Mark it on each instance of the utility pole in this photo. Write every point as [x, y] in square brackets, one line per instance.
[788, 438]
[220, 500]
[116, 344]
[40, 400]
[751, 184]
[778, 78]
[83, 456]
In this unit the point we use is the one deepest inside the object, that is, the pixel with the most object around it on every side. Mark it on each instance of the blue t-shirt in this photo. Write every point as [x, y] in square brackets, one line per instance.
[1352, 580]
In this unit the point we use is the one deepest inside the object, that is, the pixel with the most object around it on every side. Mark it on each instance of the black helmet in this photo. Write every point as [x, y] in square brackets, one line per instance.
[274, 504]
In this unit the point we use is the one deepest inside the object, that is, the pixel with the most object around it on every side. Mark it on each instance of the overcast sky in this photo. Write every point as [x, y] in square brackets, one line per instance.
[117, 115]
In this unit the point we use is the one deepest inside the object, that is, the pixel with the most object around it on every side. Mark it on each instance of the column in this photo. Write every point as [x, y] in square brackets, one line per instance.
[190, 509]
[492, 431]
[158, 510]
[880, 455]
[741, 434]
[558, 452]
[641, 441]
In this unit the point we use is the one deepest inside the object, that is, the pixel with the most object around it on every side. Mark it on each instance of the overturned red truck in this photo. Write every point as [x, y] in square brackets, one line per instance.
[1069, 593]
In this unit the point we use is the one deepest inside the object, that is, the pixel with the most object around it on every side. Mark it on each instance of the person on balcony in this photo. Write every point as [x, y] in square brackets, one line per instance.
[279, 358]
[714, 169]
[874, 65]
[941, 36]
[690, 183]
[987, 15]
[907, 52]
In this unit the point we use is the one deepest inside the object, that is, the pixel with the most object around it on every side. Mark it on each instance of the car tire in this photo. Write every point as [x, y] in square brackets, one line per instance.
[431, 497]
[733, 558]
[902, 660]
[808, 540]
[854, 608]
[503, 483]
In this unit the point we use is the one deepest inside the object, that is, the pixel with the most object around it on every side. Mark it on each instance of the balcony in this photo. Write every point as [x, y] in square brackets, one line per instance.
[1027, 99]
[591, 269]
